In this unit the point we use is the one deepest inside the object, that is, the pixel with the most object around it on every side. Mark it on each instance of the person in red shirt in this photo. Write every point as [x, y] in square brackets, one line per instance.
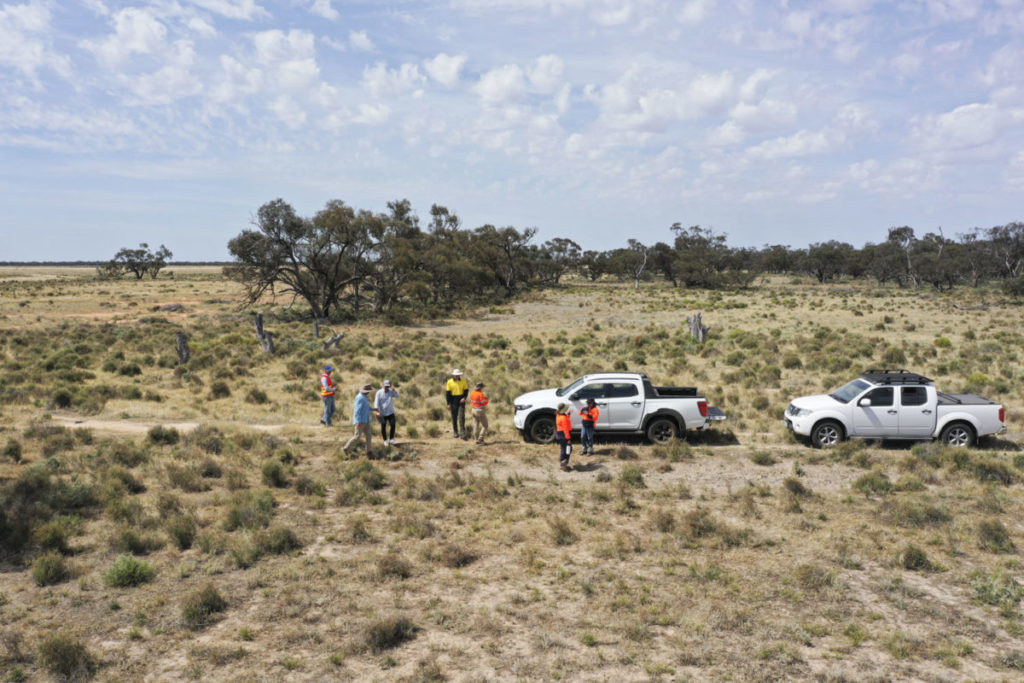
[563, 435]
[588, 421]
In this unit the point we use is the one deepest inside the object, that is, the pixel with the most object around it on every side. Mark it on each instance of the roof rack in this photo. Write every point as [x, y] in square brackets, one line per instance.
[894, 377]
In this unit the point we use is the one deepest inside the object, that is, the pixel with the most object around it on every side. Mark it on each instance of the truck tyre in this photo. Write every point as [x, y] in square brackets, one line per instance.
[541, 429]
[958, 435]
[826, 434]
[662, 430]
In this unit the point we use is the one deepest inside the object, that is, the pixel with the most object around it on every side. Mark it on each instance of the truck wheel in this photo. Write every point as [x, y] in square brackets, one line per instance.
[542, 429]
[957, 434]
[662, 430]
[826, 434]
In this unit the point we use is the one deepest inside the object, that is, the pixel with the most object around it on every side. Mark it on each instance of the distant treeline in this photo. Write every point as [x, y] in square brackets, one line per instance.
[346, 262]
[96, 264]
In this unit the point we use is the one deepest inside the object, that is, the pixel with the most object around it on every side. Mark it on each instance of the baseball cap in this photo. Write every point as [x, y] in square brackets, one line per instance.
[328, 368]
[387, 383]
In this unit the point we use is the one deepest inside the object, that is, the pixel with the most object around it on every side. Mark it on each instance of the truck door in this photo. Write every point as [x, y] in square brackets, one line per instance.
[917, 413]
[597, 391]
[876, 414]
[625, 405]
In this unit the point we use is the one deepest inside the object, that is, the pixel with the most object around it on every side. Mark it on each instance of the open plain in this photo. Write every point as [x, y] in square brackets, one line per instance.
[167, 521]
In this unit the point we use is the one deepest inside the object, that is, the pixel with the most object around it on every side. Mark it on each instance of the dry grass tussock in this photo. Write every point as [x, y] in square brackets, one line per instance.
[178, 531]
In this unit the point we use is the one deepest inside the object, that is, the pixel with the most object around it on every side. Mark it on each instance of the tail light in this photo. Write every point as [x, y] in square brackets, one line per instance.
[703, 406]
[1002, 414]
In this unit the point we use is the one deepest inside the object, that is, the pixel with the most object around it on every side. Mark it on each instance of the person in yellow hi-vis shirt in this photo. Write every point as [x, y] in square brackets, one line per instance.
[478, 402]
[455, 392]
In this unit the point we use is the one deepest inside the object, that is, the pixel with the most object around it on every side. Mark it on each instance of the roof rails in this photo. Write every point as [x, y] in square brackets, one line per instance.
[894, 377]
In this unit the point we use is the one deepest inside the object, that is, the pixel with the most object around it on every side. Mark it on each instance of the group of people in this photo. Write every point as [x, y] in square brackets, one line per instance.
[457, 393]
[563, 430]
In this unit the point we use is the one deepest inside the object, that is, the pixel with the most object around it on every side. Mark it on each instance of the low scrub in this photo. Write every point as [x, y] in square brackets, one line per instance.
[50, 569]
[128, 572]
[387, 633]
[66, 658]
[202, 607]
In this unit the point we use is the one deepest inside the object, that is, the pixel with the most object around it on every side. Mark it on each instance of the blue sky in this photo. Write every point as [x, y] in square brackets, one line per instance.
[171, 121]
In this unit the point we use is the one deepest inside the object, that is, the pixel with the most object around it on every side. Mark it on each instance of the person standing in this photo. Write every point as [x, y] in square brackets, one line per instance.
[563, 435]
[455, 392]
[361, 419]
[478, 403]
[327, 395]
[384, 404]
[588, 422]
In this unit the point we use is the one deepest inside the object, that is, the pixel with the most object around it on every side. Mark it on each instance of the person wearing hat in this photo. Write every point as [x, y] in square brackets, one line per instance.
[563, 435]
[384, 404]
[361, 419]
[327, 395]
[455, 392]
[588, 423]
[478, 403]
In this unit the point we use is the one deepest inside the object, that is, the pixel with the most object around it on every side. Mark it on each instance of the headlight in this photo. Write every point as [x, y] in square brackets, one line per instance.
[523, 406]
[793, 411]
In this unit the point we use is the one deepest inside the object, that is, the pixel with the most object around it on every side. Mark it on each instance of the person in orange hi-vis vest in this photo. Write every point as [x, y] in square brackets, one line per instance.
[478, 402]
[588, 422]
[563, 435]
[327, 395]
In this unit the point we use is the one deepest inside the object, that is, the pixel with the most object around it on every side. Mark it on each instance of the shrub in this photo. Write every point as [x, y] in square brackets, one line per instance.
[390, 632]
[762, 458]
[393, 565]
[210, 469]
[127, 572]
[632, 475]
[699, 523]
[914, 559]
[12, 450]
[814, 577]
[663, 520]
[249, 510]
[131, 541]
[66, 658]
[185, 478]
[201, 606]
[913, 513]
[182, 530]
[307, 486]
[220, 389]
[163, 435]
[873, 483]
[273, 473]
[625, 453]
[50, 569]
[993, 537]
[278, 540]
[256, 396]
[561, 532]
[998, 588]
[990, 469]
[453, 556]
[795, 486]
[208, 438]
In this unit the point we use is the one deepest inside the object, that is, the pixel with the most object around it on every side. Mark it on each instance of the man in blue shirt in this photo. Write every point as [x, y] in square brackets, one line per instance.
[361, 419]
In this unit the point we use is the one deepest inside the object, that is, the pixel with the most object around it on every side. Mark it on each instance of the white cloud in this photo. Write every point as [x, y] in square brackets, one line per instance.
[288, 111]
[614, 14]
[563, 99]
[373, 114]
[24, 38]
[136, 31]
[802, 143]
[168, 83]
[967, 128]
[695, 11]
[765, 115]
[359, 40]
[234, 9]
[855, 118]
[323, 9]
[445, 69]
[202, 27]
[381, 81]
[502, 85]
[904, 176]
[1014, 177]
[291, 57]
[236, 82]
[545, 73]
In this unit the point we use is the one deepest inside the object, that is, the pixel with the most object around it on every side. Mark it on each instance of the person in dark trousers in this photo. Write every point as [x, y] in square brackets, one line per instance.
[588, 422]
[563, 435]
[327, 394]
[384, 404]
[455, 392]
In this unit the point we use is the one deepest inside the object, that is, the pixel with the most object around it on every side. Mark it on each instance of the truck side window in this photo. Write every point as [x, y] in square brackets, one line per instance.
[594, 391]
[622, 390]
[913, 396]
[880, 397]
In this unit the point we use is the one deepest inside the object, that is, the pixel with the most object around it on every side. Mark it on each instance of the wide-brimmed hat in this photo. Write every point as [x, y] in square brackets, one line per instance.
[479, 385]
[367, 388]
[562, 407]
[591, 402]
[456, 372]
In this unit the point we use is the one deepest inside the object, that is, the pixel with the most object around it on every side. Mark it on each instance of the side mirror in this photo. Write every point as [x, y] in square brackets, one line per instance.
[864, 403]
[575, 397]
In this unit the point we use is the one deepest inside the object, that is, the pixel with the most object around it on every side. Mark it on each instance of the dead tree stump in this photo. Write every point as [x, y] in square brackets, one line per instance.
[333, 341]
[698, 330]
[184, 353]
[266, 339]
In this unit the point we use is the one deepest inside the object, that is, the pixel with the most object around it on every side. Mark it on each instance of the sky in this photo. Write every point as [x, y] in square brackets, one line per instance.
[774, 122]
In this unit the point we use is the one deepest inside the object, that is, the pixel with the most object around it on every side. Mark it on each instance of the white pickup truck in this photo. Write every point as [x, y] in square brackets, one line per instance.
[893, 405]
[628, 404]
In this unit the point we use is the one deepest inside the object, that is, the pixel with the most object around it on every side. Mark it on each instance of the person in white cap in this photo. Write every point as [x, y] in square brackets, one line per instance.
[384, 404]
[361, 419]
[455, 392]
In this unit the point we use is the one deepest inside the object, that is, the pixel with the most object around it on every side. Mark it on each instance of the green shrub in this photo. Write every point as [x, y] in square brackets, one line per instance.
[699, 523]
[278, 540]
[201, 606]
[249, 510]
[256, 396]
[454, 556]
[220, 389]
[390, 632]
[127, 572]
[182, 530]
[50, 569]
[632, 475]
[914, 559]
[12, 450]
[762, 458]
[393, 565]
[273, 473]
[943, 342]
[561, 532]
[185, 478]
[208, 438]
[814, 577]
[163, 435]
[66, 658]
[993, 537]
[210, 469]
[131, 541]
[876, 483]
[997, 588]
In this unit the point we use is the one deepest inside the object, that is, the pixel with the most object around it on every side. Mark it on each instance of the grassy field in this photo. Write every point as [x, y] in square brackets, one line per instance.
[169, 522]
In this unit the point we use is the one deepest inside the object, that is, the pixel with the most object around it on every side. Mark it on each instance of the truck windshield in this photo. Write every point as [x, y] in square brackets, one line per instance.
[849, 391]
[569, 389]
